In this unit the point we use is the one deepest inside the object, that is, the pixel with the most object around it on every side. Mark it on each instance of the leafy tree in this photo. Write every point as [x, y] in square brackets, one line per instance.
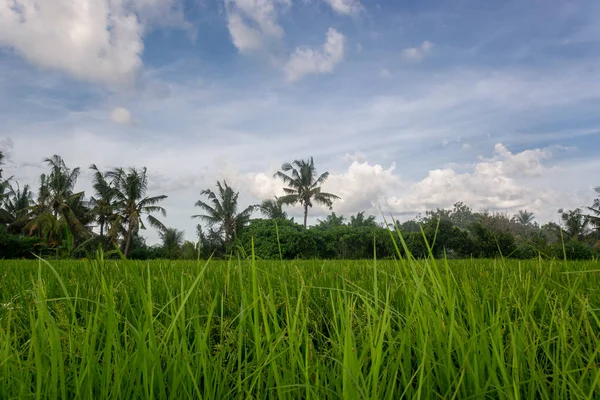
[462, 216]
[304, 186]
[189, 250]
[273, 208]
[222, 211]
[132, 202]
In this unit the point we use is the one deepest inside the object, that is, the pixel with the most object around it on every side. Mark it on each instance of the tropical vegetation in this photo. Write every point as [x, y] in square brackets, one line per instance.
[57, 220]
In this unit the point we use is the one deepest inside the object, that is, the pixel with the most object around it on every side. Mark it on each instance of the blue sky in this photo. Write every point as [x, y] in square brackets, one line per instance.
[409, 105]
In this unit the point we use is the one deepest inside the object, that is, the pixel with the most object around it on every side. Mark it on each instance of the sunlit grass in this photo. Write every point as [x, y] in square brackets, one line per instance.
[300, 329]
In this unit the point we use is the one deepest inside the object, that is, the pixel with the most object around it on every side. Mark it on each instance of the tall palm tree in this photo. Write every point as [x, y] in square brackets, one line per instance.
[132, 203]
[222, 211]
[273, 208]
[104, 203]
[59, 206]
[304, 186]
[524, 217]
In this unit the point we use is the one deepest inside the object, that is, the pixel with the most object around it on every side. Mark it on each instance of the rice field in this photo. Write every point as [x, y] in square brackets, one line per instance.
[244, 328]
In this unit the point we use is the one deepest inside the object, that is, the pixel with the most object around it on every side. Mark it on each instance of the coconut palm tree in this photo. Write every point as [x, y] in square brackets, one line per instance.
[132, 202]
[304, 185]
[594, 217]
[59, 207]
[17, 206]
[104, 204]
[273, 208]
[172, 240]
[222, 211]
[360, 221]
[524, 217]
[575, 223]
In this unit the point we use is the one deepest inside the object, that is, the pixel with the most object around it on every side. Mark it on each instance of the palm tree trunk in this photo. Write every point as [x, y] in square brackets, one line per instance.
[305, 213]
[128, 242]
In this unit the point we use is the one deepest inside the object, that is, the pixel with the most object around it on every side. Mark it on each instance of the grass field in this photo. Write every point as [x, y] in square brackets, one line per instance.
[491, 329]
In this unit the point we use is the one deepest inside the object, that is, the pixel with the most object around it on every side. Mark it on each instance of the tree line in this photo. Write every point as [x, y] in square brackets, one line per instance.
[57, 221]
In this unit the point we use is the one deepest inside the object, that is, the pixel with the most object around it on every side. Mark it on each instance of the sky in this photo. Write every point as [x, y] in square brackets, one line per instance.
[409, 105]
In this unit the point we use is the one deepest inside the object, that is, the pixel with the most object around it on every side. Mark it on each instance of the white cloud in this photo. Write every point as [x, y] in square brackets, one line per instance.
[362, 187]
[121, 116]
[500, 182]
[97, 41]
[418, 53]
[252, 23]
[346, 7]
[357, 156]
[306, 61]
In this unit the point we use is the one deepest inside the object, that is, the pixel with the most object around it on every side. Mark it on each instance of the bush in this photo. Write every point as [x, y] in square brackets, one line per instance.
[573, 250]
[17, 246]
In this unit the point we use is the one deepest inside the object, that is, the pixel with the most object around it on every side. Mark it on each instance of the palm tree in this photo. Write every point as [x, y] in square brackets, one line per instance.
[16, 207]
[131, 202]
[524, 217]
[222, 211]
[172, 240]
[104, 203]
[4, 183]
[273, 208]
[58, 206]
[594, 217]
[360, 220]
[331, 221]
[575, 223]
[304, 186]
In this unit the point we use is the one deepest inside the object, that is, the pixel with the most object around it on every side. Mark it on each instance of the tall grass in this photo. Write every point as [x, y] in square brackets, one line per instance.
[244, 329]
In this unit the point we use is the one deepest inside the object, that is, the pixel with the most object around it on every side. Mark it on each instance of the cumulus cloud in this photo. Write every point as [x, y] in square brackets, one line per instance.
[362, 187]
[306, 61]
[500, 182]
[418, 53]
[252, 23]
[97, 41]
[121, 116]
[345, 7]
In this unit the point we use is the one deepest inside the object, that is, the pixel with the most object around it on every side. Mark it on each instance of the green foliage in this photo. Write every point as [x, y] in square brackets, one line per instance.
[573, 250]
[18, 246]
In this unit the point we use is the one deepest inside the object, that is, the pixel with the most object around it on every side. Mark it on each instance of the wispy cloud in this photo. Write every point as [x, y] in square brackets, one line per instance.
[253, 23]
[418, 53]
[345, 7]
[306, 60]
